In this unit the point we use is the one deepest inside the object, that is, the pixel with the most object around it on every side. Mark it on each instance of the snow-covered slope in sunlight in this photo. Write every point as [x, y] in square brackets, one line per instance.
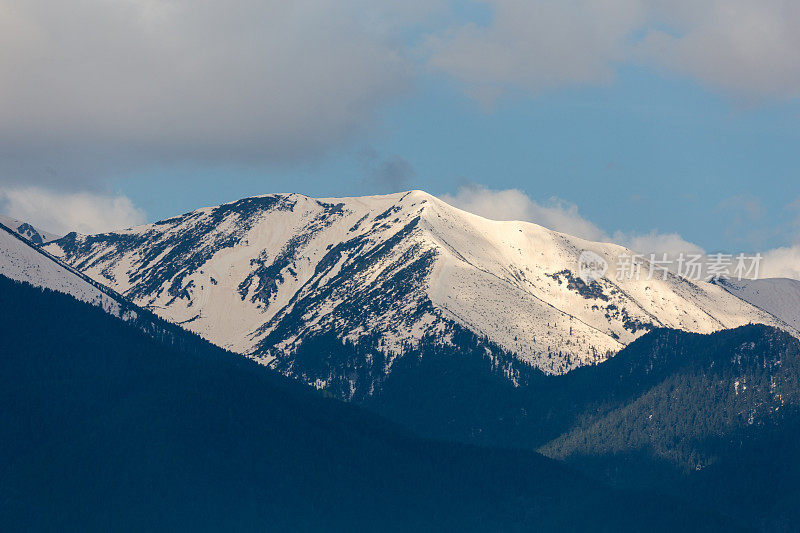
[264, 274]
[778, 296]
[21, 261]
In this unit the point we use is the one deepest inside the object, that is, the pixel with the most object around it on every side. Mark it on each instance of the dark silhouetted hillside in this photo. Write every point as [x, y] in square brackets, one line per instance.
[105, 428]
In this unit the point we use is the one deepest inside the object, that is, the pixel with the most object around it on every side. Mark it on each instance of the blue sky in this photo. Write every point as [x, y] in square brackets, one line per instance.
[636, 119]
[645, 152]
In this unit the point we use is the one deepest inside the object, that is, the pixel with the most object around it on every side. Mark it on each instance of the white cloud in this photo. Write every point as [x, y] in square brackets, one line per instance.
[784, 262]
[558, 215]
[513, 204]
[64, 212]
[657, 243]
[781, 263]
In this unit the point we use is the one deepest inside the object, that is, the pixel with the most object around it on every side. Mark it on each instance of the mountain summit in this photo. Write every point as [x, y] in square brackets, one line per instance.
[263, 275]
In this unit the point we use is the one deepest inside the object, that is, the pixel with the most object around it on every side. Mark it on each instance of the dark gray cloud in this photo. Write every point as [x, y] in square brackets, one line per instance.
[96, 87]
[389, 174]
[87, 86]
[746, 48]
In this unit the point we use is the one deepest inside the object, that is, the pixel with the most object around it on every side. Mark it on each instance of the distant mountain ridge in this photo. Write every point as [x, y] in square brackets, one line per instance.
[672, 393]
[713, 419]
[777, 296]
[21, 260]
[262, 275]
[29, 232]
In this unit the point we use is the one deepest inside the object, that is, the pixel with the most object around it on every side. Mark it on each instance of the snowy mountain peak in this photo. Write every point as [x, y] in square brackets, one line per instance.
[264, 274]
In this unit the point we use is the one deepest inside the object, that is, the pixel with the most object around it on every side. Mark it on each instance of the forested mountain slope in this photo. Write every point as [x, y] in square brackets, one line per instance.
[105, 428]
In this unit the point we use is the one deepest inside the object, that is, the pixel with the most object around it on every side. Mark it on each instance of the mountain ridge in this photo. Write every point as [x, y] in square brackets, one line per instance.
[777, 296]
[22, 260]
[33, 234]
[708, 395]
[261, 274]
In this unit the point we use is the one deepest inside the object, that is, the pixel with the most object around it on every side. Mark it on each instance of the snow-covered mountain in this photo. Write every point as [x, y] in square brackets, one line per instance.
[21, 261]
[262, 275]
[35, 235]
[777, 296]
